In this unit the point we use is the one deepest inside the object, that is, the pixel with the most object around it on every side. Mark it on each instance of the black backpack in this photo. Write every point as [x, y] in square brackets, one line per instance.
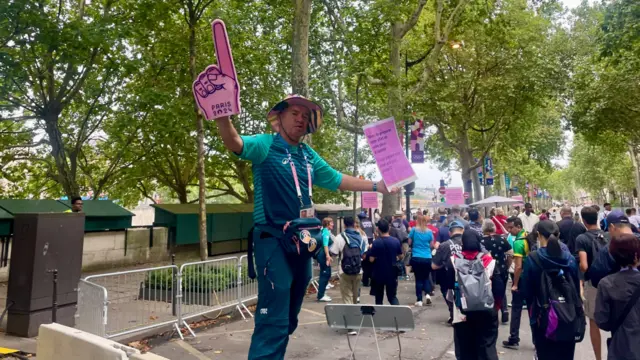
[598, 241]
[560, 315]
[351, 257]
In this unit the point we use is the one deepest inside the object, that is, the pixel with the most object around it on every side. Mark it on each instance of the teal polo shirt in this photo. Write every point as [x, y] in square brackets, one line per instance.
[275, 197]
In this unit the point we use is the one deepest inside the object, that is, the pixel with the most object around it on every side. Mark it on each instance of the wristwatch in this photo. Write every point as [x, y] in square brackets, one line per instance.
[375, 186]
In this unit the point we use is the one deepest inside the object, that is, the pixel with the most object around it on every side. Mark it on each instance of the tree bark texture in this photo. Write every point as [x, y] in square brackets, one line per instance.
[202, 185]
[300, 48]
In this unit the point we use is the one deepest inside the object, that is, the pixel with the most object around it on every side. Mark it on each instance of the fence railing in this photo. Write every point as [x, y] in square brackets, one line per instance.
[126, 302]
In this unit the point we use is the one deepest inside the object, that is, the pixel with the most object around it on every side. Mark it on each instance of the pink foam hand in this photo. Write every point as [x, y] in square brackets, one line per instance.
[216, 89]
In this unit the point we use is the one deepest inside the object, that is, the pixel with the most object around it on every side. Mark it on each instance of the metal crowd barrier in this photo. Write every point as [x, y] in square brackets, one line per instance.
[91, 315]
[126, 302]
[136, 299]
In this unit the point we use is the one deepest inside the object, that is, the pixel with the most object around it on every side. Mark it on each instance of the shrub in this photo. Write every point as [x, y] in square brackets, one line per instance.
[198, 278]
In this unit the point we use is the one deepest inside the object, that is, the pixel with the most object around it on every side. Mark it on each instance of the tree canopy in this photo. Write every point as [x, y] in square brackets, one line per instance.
[95, 96]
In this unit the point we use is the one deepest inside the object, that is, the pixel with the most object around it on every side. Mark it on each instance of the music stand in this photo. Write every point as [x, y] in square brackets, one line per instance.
[378, 317]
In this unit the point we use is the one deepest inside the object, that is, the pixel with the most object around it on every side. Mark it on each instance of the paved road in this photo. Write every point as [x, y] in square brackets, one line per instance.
[431, 339]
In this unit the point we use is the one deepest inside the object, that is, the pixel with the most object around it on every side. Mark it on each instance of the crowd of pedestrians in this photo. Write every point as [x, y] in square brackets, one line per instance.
[563, 272]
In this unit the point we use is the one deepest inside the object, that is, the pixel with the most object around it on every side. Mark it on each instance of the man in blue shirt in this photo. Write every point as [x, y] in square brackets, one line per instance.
[283, 170]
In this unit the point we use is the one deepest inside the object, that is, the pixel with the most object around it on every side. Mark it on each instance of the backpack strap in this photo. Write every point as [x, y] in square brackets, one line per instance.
[534, 256]
[626, 311]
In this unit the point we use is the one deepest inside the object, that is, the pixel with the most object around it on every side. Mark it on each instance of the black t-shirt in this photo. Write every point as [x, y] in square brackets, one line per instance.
[498, 247]
[569, 231]
[367, 226]
[443, 258]
[584, 242]
[385, 251]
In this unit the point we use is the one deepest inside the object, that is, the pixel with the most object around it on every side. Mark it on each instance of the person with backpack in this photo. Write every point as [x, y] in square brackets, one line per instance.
[441, 262]
[324, 260]
[399, 231]
[475, 319]
[420, 239]
[588, 245]
[502, 252]
[604, 264]
[618, 300]
[349, 246]
[551, 288]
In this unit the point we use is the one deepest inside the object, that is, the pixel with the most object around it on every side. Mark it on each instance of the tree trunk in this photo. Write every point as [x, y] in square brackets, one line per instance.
[390, 202]
[636, 174]
[244, 176]
[300, 48]
[202, 185]
[66, 177]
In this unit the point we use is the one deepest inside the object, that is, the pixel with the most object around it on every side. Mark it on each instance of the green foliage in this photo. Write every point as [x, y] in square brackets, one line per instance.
[198, 278]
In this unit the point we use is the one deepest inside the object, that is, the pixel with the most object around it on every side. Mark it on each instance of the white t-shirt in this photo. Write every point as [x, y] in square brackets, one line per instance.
[338, 246]
[528, 221]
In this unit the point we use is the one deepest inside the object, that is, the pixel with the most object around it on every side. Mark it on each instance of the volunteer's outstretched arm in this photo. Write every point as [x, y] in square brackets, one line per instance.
[229, 135]
[351, 183]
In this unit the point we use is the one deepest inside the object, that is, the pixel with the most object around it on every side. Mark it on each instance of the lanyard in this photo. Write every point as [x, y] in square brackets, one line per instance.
[295, 175]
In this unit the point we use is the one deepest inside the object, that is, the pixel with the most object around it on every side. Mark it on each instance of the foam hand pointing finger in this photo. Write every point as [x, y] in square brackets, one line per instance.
[216, 89]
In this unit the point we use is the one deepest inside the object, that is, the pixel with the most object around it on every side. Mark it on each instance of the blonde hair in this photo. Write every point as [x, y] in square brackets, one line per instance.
[499, 211]
[326, 221]
[421, 223]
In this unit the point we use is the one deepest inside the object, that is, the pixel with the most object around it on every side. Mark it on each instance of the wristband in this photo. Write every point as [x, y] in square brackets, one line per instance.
[375, 187]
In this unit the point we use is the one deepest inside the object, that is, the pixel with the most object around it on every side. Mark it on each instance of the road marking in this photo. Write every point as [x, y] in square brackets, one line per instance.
[191, 350]
[251, 330]
[313, 312]
[5, 351]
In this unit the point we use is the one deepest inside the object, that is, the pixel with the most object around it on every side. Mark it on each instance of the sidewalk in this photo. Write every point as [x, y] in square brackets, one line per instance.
[314, 340]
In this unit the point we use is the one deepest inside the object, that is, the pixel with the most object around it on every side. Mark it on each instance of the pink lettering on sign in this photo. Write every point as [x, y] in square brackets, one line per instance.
[394, 166]
[454, 195]
[369, 200]
[216, 89]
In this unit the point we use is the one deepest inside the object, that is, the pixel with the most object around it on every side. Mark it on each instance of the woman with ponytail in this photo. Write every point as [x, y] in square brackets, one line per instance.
[551, 274]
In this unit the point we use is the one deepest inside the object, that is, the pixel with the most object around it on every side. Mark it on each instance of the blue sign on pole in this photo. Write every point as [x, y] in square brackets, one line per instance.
[488, 165]
[507, 181]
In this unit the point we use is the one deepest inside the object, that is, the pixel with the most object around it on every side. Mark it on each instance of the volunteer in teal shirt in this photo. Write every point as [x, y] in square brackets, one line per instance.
[324, 259]
[282, 282]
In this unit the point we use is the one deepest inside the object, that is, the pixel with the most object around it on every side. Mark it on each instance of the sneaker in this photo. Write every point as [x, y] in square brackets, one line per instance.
[329, 286]
[524, 307]
[325, 298]
[511, 345]
[428, 300]
[450, 321]
[509, 305]
[505, 318]
[358, 301]
[418, 303]
[352, 332]
[433, 293]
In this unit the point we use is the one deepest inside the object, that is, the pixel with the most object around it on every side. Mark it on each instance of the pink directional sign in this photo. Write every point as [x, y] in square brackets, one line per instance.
[454, 196]
[518, 197]
[369, 200]
[216, 89]
[382, 137]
